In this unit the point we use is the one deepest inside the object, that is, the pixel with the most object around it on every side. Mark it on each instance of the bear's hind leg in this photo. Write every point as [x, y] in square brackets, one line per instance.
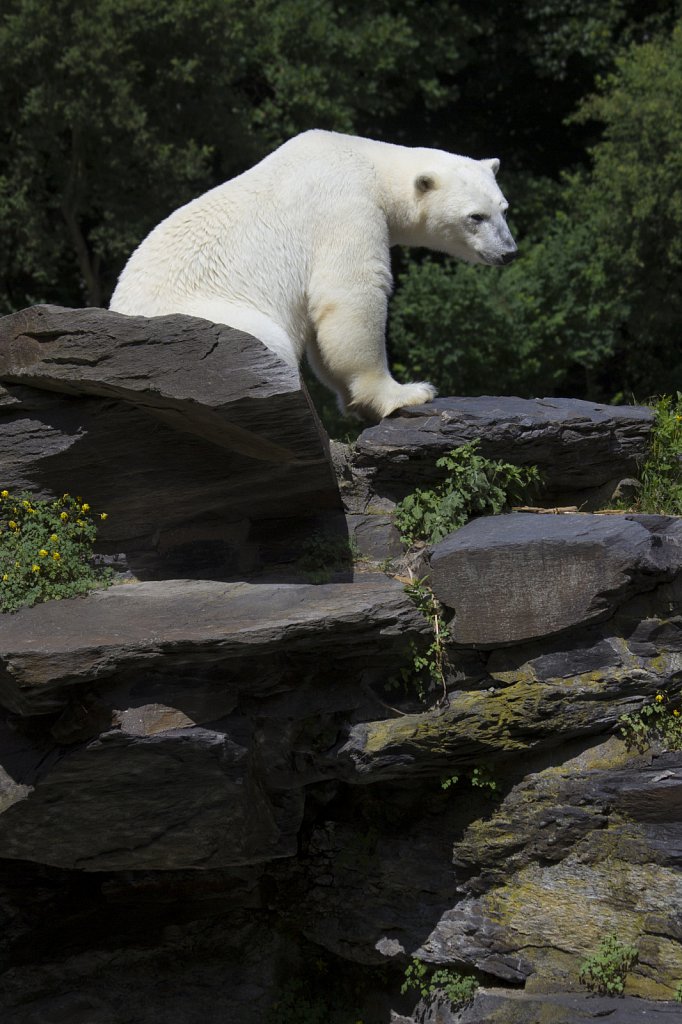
[247, 319]
[324, 375]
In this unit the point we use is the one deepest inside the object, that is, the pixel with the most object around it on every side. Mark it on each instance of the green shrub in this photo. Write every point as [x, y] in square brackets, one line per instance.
[46, 549]
[661, 474]
[678, 993]
[474, 486]
[459, 989]
[605, 971]
[660, 721]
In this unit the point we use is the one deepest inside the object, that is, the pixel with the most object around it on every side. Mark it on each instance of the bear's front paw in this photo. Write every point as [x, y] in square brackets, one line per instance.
[413, 394]
[388, 395]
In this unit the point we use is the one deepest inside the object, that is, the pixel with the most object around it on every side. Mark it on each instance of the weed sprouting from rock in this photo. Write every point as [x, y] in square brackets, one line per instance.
[657, 722]
[474, 486]
[606, 970]
[458, 989]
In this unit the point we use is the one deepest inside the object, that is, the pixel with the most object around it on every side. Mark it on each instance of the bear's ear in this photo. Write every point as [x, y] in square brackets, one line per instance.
[424, 183]
[492, 165]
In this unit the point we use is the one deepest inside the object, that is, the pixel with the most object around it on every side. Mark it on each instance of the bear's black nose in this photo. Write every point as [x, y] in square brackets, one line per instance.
[507, 257]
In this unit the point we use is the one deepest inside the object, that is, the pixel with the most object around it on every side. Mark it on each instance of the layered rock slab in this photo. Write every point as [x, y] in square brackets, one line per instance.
[494, 1006]
[180, 625]
[578, 446]
[574, 846]
[183, 431]
[575, 852]
[158, 759]
[518, 577]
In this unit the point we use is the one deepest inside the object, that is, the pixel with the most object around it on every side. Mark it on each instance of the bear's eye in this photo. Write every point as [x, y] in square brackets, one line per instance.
[477, 218]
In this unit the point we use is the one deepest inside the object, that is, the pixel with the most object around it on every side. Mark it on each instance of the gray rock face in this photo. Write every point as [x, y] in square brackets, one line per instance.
[510, 1007]
[181, 774]
[161, 627]
[223, 797]
[576, 871]
[578, 446]
[162, 423]
[516, 577]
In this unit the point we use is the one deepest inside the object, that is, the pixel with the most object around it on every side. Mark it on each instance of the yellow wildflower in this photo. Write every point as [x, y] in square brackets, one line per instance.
[81, 522]
[56, 556]
[103, 515]
[676, 714]
[659, 698]
[64, 515]
[5, 578]
[26, 504]
[85, 507]
[43, 553]
[4, 494]
[12, 525]
[35, 568]
[54, 538]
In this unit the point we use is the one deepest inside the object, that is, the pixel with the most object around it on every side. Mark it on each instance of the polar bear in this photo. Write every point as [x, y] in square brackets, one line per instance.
[295, 251]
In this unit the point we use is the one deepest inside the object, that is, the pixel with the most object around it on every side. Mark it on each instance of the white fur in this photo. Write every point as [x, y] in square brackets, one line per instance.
[295, 251]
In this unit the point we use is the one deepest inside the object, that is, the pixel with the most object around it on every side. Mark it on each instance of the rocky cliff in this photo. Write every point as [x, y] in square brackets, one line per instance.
[222, 795]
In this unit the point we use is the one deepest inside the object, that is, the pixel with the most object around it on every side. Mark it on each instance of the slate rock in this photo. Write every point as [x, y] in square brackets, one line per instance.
[528, 702]
[185, 432]
[188, 711]
[577, 445]
[192, 947]
[522, 885]
[492, 1006]
[181, 799]
[516, 577]
[573, 853]
[202, 378]
[167, 626]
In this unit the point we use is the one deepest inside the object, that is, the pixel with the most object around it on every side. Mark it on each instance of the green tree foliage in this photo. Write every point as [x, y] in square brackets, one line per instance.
[114, 113]
[110, 113]
[593, 306]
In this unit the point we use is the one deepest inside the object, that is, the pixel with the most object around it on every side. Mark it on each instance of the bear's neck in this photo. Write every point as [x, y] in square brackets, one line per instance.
[395, 190]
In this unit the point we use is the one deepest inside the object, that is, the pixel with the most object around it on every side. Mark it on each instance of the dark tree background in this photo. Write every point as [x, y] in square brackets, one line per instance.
[113, 113]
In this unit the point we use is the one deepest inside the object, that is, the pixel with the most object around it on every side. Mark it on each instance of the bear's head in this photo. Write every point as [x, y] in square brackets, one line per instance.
[461, 210]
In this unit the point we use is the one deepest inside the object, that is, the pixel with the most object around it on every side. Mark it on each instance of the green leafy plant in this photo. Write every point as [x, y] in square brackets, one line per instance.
[474, 486]
[661, 474]
[416, 978]
[605, 971]
[480, 777]
[46, 549]
[660, 721]
[429, 663]
[459, 989]
[678, 992]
